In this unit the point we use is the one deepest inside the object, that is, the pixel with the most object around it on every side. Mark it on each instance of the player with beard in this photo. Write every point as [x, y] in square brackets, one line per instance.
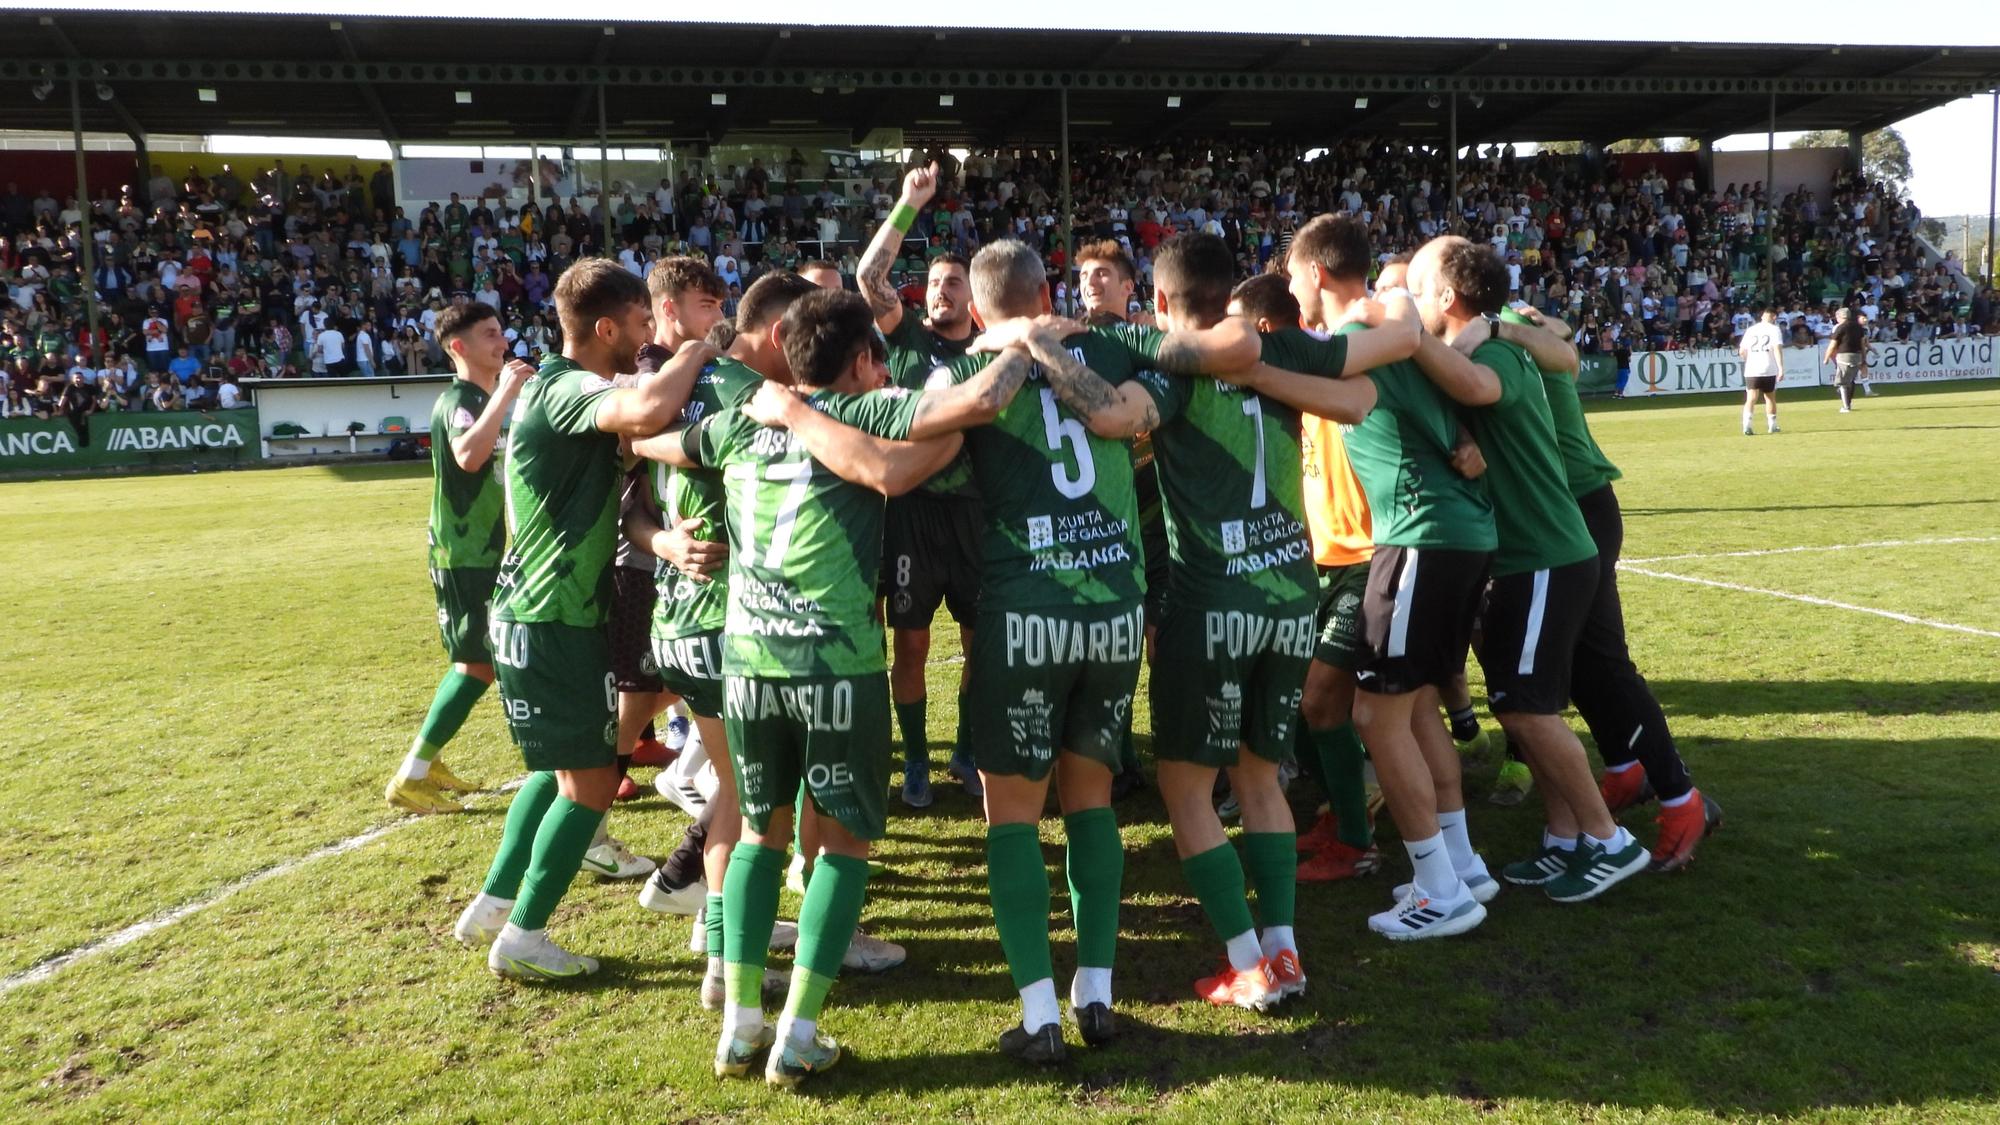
[1106, 280]
[1544, 572]
[930, 546]
[548, 633]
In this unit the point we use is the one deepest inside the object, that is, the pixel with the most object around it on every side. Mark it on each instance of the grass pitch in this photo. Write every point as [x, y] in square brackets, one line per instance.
[210, 676]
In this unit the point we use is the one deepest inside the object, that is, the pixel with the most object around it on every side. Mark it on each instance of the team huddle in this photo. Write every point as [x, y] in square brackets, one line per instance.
[1299, 502]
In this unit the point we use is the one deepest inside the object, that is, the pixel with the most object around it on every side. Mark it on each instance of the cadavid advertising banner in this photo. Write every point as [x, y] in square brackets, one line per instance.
[182, 438]
[1710, 370]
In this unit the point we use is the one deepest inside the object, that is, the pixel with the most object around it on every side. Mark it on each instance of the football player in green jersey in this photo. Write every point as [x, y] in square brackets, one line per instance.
[1061, 629]
[805, 686]
[931, 547]
[1545, 569]
[467, 536]
[1239, 609]
[548, 633]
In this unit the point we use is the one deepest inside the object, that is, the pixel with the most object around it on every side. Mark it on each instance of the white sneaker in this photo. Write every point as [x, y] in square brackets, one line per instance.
[1484, 887]
[795, 875]
[482, 920]
[613, 860]
[683, 793]
[1847, 410]
[1418, 916]
[519, 954]
[688, 900]
[872, 955]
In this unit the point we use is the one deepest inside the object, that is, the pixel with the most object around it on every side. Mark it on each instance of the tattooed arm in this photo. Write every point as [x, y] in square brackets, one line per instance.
[872, 275]
[975, 402]
[1110, 412]
[1230, 345]
[887, 466]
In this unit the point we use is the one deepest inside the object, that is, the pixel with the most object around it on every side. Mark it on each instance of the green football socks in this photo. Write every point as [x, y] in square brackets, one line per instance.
[517, 840]
[1272, 860]
[750, 910]
[456, 694]
[1018, 882]
[560, 841]
[1096, 864]
[827, 919]
[1342, 757]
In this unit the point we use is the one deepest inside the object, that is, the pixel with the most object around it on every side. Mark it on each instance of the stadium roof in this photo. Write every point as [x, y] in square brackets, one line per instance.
[402, 78]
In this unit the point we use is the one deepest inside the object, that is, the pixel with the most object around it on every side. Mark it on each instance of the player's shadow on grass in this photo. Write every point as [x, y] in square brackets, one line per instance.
[1706, 698]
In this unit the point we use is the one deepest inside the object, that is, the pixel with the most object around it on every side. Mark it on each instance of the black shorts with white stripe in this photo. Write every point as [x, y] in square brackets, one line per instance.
[1529, 634]
[1417, 616]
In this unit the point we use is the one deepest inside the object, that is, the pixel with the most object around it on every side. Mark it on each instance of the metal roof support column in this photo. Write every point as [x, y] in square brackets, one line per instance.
[86, 255]
[1992, 188]
[1451, 216]
[1069, 244]
[1768, 211]
[604, 171]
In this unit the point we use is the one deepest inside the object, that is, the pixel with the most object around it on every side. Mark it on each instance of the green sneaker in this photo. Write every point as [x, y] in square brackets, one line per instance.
[1513, 784]
[733, 1056]
[1540, 869]
[1592, 870]
[793, 1064]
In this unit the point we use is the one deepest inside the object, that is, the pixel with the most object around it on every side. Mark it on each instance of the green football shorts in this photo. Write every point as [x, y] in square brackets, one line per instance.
[1225, 678]
[556, 688]
[690, 667]
[463, 594]
[1049, 680]
[829, 732]
[1342, 643]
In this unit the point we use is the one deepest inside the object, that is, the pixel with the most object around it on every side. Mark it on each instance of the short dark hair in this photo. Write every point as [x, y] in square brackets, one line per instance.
[1475, 273]
[1337, 243]
[592, 289]
[767, 299]
[1108, 250]
[824, 330]
[816, 264]
[950, 258]
[452, 322]
[1267, 297]
[1200, 269]
[671, 277]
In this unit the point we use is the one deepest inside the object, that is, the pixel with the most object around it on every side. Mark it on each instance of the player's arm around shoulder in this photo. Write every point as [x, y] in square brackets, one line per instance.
[1119, 412]
[1452, 368]
[658, 399]
[889, 465]
[949, 404]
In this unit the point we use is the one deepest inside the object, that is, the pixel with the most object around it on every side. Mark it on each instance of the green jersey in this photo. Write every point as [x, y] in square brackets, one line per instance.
[1062, 518]
[915, 352]
[1537, 519]
[466, 507]
[1232, 478]
[1401, 454]
[563, 479]
[1586, 466]
[686, 607]
[805, 546]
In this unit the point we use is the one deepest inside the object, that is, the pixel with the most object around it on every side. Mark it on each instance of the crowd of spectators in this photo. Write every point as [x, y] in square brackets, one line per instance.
[203, 282]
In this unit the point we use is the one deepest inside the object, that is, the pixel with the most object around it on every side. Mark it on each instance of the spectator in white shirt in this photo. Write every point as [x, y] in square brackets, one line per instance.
[330, 352]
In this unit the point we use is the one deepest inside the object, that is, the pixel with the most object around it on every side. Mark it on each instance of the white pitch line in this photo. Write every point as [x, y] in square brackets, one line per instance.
[1810, 600]
[1827, 547]
[41, 971]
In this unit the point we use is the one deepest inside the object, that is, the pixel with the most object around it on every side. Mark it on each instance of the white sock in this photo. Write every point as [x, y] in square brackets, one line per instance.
[715, 964]
[1431, 860]
[1244, 953]
[1089, 986]
[414, 768]
[1621, 769]
[798, 1032]
[742, 1023]
[1456, 840]
[1677, 802]
[1746, 417]
[1278, 939]
[1561, 843]
[1770, 419]
[1038, 1005]
[1619, 841]
[492, 902]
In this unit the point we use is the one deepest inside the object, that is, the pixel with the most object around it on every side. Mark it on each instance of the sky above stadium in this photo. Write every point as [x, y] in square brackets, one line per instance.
[1949, 146]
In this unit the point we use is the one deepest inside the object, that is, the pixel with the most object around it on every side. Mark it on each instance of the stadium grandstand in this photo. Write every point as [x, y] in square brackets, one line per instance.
[201, 273]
